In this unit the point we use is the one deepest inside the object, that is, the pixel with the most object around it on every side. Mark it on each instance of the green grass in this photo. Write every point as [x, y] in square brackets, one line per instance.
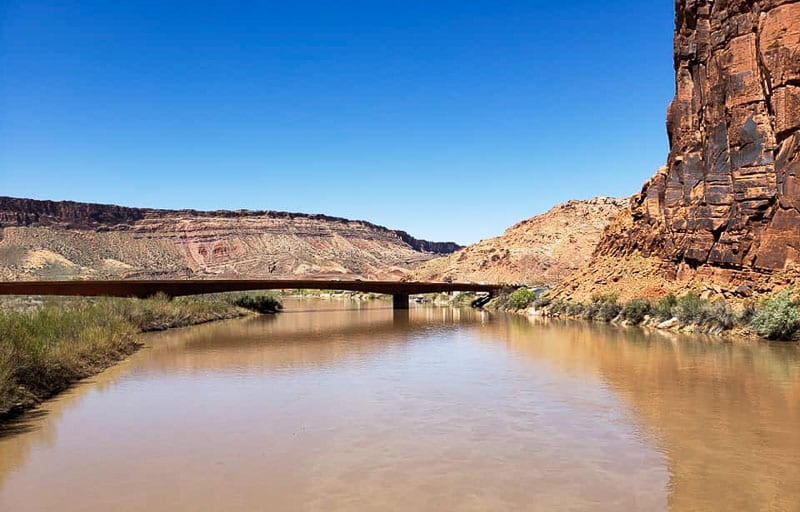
[45, 348]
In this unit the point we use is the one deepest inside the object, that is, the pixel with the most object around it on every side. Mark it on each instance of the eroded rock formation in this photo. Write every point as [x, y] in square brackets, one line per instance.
[541, 250]
[728, 201]
[48, 239]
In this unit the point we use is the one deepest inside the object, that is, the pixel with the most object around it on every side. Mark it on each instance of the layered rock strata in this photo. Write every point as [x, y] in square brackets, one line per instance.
[542, 250]
[47, 239]
[727, 204]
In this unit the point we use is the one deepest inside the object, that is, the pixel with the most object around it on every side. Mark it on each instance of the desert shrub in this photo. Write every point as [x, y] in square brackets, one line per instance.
[719, 314]
[542, 301]
[574, 309]
[693, 309]
[608, 311]
[603, 307]
[748, 312]
[690, 309]
[601, 298]
[777, 318]
[558, 307]
[587, 311]
[522, 298]
[635, 310]
[258, 303]
[663, 309]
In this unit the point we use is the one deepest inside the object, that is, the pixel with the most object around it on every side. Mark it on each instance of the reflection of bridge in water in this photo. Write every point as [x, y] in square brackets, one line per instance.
[399, 290]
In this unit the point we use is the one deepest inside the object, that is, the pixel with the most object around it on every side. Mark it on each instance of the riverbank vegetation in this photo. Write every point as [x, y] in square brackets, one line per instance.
[264, 304]
[45, 345]
[774, 318]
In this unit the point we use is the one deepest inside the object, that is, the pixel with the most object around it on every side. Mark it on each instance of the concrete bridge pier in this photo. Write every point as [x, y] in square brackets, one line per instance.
[400, 301]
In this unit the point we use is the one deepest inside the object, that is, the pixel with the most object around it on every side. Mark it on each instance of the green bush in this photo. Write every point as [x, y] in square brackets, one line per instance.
[586, 311]
[603, 307]
[690, 309]
[635, 310]
[777, 319]
[663, 309]
[608, 311]
[259, 303]
[522, 298]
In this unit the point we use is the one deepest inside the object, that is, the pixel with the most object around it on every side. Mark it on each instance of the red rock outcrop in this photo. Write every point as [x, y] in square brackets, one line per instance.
[47, 239]
[541, 250]
[727, 204]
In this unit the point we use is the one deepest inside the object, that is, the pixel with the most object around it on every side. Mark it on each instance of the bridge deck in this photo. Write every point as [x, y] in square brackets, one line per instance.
[175, 288]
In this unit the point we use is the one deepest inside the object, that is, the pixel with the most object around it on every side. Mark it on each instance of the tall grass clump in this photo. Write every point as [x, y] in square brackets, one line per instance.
[45, 348]
[777, 318]
[160, 312]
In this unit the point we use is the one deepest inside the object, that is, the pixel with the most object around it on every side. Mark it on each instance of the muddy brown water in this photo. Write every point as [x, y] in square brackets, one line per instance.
[335, 406]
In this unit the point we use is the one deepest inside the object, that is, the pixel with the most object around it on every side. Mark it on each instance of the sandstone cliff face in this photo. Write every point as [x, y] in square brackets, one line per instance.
[727, 204]
[46, 239]
[541, 250]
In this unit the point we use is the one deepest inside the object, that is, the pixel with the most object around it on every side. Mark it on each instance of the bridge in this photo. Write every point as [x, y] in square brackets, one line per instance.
[399, 290]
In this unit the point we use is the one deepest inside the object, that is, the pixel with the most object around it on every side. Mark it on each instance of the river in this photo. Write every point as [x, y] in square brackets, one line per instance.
[351, 406]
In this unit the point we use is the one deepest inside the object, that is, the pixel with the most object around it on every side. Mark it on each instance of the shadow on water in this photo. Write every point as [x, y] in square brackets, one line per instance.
[21, 424]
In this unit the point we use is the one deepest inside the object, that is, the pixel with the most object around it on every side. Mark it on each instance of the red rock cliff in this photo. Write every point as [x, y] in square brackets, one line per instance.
[729, 196]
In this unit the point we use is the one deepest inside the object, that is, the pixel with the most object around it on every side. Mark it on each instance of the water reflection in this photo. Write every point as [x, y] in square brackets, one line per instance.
[430, 409]
[725, 414]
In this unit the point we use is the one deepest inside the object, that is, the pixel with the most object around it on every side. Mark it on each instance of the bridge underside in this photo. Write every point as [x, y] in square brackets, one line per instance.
[399, 290]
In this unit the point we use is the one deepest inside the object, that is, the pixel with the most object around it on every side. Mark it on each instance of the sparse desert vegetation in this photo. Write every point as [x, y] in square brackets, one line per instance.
[774, 318]
[47, 345]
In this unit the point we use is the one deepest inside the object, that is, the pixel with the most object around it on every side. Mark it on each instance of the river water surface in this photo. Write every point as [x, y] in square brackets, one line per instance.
[339, 406]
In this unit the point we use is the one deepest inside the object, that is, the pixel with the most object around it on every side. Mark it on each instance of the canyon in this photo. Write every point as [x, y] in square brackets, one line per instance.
[723, 213]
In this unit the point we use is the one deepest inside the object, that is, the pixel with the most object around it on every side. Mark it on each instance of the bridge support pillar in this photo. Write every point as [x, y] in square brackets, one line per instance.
[400, 301]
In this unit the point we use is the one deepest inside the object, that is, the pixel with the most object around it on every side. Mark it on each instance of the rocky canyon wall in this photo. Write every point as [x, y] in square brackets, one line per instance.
[728, 199]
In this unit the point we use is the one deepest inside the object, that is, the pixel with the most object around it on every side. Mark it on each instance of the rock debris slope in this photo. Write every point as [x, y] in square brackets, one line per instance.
[541, 250]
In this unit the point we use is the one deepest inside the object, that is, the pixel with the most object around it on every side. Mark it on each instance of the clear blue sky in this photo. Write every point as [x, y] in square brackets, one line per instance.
[449, 119]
